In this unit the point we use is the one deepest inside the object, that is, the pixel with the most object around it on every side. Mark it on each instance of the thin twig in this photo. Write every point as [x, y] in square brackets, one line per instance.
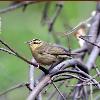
[54, 35]
[58, 91]
[13, 88]
[54, 91]
[97, 70]
[13, 7]
[80, 84]
[51, 21]
[45, 12]
[8, 51]
[89, 42]
[93, 31]
[65, 77]
[90, 78]
[58, 10]
[81, 24]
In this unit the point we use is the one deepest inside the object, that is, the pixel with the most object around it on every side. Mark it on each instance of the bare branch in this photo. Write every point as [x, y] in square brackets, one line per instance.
[94, 54]
[89, 42]
[58, 91]
[54, 91]
[94, 31]
[45, 12]
[31, 74]
[80, 50]
[13, 88]
[58, 10]
[71, 62]
[46, 79]
[81, 24]
[13, 7]
[92, 45]
[81, 73]
[8, 51]
[51, 21]
[66, 77]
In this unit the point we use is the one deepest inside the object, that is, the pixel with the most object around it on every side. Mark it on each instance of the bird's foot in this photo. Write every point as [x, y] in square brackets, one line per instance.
[38, 66]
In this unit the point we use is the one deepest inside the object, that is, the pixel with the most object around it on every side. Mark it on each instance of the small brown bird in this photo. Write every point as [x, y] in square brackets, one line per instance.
[46, 53]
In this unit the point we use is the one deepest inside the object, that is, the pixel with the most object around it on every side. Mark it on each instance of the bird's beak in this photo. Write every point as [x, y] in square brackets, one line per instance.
[26, 42]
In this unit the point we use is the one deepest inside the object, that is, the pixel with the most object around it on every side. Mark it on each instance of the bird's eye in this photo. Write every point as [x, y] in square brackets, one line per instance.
[38, 42]
[35, 42]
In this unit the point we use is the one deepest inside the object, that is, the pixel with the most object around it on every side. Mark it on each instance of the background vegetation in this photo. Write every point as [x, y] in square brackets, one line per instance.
[18, 27]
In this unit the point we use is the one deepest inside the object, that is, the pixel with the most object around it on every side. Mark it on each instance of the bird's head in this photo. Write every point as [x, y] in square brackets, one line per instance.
[34, 44]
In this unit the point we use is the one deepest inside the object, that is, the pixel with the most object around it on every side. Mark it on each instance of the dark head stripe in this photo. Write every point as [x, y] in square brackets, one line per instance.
[34, 41]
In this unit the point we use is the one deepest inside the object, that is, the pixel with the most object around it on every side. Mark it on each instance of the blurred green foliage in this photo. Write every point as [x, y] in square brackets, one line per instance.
[18, 27]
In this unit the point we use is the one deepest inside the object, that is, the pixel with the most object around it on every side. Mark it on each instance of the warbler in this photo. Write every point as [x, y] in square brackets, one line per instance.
[46, 53]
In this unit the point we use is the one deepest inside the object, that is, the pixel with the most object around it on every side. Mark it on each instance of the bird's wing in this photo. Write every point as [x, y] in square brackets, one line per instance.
[53, 50]
[60, 52]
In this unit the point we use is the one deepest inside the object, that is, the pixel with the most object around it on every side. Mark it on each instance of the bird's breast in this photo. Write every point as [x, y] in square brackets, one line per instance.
[45, 59]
